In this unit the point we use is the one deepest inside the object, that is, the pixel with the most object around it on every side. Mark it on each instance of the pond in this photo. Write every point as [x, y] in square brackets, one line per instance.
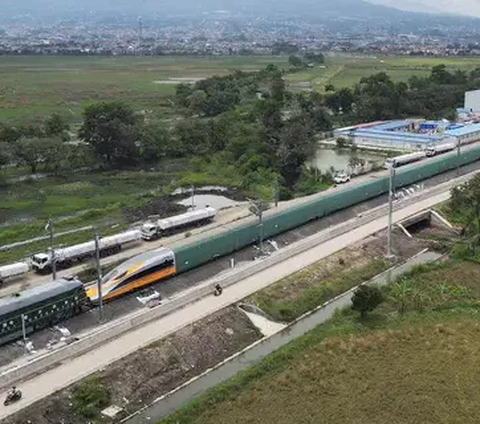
[326, 157]
[213, 200]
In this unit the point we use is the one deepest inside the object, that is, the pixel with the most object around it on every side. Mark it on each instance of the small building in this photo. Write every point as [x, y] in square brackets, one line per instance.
[465, 134]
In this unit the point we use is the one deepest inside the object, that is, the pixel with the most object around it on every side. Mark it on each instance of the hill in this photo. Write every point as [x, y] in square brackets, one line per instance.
[315, 10]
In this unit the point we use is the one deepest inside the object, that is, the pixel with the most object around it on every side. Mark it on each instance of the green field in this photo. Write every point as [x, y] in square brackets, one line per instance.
[345, 71]
[34, 87]
[414, 360]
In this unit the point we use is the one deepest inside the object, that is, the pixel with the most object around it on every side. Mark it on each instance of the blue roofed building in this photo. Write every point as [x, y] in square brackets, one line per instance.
[409, 135]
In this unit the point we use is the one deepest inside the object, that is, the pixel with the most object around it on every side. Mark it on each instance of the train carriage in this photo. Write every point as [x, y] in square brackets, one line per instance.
[40, 307]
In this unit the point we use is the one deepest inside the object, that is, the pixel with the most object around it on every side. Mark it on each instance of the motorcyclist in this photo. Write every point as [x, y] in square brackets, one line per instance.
[12, 396]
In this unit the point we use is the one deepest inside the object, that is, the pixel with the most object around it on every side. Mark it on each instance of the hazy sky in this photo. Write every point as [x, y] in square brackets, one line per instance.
[463, 7]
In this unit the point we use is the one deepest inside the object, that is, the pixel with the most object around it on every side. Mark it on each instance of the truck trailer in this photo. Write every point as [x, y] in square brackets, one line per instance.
[442, 148]
[404, 159]
[13, 270]
[155, 229]
[65, 257]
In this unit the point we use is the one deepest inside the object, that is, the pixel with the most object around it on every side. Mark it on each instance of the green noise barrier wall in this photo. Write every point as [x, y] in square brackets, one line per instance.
[200, 252]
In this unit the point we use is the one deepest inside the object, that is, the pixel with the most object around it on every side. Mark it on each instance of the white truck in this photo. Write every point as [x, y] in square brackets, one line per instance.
[13, 270]
[442, 148]
[154, 229]
[404, 159]
[65, 257]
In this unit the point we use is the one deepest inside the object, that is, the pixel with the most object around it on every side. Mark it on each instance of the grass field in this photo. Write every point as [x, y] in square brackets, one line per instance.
[345, 71]
[34, 87]
[412, 361]
[108, 200]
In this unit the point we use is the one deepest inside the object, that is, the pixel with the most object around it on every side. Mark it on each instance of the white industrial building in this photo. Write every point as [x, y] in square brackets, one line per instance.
[472, 101]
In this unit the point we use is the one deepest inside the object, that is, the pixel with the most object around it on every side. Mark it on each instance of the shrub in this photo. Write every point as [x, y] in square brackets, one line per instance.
[90, 397]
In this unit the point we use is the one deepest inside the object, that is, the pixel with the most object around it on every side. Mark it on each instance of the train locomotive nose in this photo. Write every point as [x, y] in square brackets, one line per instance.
[92, 294]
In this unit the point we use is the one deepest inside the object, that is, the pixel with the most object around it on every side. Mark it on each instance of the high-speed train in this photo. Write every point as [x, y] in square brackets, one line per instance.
[137, 272]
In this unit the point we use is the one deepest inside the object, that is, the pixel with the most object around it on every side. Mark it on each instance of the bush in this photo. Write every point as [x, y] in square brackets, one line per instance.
[366, 299]
[90, 397]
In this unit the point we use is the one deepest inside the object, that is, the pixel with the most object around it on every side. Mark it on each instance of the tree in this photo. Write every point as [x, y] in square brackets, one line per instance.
[9, 134]
[155, 142]
[193, 137]
[5, 154]
[196, 102]
[112, 129]
[440, 75]
[296, 145]
[54, 154]
[329, 87]
[295, 61]
[465, 204]
[182, 94]
[366, 299]
[56, 126]
[30, 152]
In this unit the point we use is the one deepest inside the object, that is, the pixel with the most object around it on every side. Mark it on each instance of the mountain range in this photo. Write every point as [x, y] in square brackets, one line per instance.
[312, 9]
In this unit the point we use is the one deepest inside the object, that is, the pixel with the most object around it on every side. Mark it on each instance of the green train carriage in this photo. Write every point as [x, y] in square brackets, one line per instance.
[40, 307]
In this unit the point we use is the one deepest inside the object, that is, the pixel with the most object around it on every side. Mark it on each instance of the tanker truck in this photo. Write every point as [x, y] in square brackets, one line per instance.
[67, 256]
[154, 229]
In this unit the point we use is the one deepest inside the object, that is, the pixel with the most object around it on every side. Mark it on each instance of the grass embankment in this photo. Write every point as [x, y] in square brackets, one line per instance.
[413, 360]
[303, 291]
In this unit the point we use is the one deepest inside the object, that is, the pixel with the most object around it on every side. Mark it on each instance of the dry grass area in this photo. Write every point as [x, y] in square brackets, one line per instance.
[423, 373]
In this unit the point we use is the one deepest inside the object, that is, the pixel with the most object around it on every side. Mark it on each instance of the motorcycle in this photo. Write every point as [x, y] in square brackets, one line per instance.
[218, 290]
[12, 397]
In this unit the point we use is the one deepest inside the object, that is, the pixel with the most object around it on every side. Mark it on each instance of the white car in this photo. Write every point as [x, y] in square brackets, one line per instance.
[341, 178]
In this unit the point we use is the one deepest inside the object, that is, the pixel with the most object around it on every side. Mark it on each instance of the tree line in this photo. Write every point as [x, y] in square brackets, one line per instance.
[378, 97]
[244, 123]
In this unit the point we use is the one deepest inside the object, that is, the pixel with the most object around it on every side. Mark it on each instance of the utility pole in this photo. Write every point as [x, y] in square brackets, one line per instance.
[53, 258]
[258, 211]
[458, 157]
[99, 276]
[24, 333]
[193, 197]
[390, 254]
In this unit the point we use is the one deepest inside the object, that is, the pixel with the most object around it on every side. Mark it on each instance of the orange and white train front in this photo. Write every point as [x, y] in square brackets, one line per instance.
[137, 272]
